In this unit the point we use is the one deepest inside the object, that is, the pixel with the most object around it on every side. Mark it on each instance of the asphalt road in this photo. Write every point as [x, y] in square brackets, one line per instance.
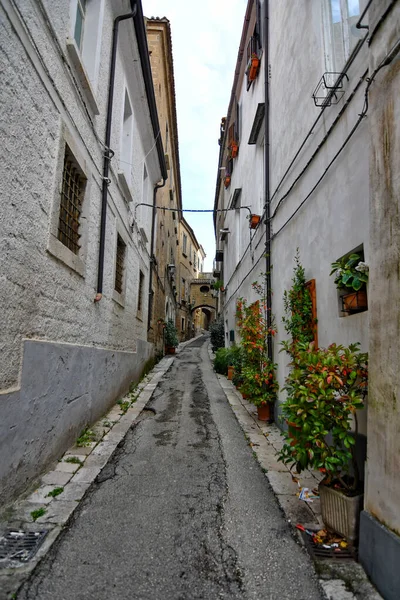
[182, 511]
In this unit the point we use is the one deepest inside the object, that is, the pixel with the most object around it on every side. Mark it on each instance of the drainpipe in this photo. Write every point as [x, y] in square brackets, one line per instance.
[137, 15]
[152, 257]
[108, 154]
[267, 180]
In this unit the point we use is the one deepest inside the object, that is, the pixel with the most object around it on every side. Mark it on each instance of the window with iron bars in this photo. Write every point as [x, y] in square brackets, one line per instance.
[119, 265]
[140, 295]
[72, 192]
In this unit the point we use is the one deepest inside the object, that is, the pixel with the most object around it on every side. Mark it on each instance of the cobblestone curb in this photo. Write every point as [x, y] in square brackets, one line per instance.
[339, 580]
[75, 478]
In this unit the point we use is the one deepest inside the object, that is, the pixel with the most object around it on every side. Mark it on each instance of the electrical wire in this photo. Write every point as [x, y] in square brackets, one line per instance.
[387, 60]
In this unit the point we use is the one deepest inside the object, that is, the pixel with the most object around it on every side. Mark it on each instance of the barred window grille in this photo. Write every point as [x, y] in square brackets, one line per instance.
[119, 266]
[72, 192]
[140, 295]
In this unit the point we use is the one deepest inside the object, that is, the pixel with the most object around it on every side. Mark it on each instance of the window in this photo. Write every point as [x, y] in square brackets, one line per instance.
[79, 23]
[140, 294]
[119, 265]
[183, 289]
[72, 192]
[339, 18]
[184, 244]
[86, 25]
[126, 140]
[238, 121]
[183, 324]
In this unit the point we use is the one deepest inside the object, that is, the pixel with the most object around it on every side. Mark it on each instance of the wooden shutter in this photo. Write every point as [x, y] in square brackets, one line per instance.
[310, 285]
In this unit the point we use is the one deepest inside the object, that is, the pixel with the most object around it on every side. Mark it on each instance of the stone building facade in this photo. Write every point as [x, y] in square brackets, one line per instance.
[311, 145]
[169, 197]
[74, 323]
[188, 268]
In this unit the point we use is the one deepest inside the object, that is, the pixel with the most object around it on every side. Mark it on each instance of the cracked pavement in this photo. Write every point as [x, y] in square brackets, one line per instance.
[182, 510]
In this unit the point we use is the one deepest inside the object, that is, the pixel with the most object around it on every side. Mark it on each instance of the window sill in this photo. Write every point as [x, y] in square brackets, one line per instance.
[118, 298]
[65, 255]
[125, 186]
[83, 77]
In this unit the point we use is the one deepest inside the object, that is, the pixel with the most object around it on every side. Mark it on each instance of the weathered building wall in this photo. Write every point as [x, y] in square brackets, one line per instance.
[334, 220]
[169, 196]
[46, 294]
[380, 523]
[243, 248]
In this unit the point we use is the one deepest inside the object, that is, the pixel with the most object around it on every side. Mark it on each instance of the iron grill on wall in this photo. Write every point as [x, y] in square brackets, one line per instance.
[72, 191]
[119, 266]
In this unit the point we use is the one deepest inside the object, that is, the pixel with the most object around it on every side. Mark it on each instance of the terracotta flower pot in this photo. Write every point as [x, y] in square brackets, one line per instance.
[234, 149]
[254, 221]
[231, 371]
[264, 412]
[356, 301]
[254, 68]
[170, 349]
[227, 181]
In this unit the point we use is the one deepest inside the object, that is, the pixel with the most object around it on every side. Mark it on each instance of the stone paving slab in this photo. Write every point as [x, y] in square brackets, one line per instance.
[57, 478]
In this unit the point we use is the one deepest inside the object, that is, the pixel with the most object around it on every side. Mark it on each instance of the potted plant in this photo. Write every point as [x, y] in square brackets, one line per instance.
[218, 284]
[325, 388]
[258, 371]
[234, 149]
[351, 274]
[253, 67]
[254, 221]
[227, 180]
[298, 321]
[170, 337]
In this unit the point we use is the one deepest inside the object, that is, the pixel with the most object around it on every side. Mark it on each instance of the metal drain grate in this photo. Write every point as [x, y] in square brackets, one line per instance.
[320, 553]
[20, 545]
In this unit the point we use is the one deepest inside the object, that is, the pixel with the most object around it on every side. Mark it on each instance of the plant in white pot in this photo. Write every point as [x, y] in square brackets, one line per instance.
[325, 388]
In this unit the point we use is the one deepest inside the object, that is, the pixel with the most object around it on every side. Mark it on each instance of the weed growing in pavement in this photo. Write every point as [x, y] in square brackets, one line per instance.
[124, 405]
[56, 492]
[74, 459]
[86, 438]
[107, 423]
[35, 514]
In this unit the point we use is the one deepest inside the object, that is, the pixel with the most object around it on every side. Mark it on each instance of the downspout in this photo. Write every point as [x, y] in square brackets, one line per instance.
[108, 154]
[267, 182]
[152, 257]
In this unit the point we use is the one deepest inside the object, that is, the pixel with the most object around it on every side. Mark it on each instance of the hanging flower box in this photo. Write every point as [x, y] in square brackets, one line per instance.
[253, 68]
[234, 149]
[227, 181]
[254, 221]
[355, 302]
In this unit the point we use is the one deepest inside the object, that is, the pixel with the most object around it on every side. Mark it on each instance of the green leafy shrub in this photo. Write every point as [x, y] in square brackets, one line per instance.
[298, 322]
[257, 369]
[170, 334]
[325, 388]
[350, 272]
[222, 360]
[217, 334]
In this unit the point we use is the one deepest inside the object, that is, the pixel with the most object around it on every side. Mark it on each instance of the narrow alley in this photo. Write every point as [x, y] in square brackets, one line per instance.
[181, 511]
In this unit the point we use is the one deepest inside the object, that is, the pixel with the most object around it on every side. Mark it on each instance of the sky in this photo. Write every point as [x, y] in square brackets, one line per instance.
[205, 44]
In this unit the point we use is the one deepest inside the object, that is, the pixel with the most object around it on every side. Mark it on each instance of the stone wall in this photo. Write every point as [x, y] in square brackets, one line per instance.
[47, 293]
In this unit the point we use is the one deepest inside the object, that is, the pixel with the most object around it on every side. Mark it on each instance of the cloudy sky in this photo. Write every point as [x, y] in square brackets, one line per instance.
[205, 38]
